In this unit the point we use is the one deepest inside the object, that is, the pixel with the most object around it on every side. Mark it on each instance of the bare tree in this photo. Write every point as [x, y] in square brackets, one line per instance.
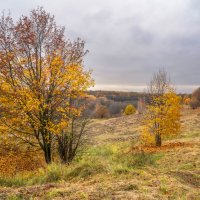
[160, 83]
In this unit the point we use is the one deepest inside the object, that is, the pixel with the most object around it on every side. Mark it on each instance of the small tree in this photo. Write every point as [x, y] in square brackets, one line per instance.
[129, 110]
[162, 116]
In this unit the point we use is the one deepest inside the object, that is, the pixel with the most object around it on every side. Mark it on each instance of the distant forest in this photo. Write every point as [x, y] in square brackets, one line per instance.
[105, 104]
[118, 95]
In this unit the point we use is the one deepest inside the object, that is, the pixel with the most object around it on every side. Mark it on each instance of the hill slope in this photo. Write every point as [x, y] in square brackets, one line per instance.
[109, 170]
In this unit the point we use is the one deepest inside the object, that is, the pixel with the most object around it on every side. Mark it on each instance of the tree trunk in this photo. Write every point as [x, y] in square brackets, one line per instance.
[65, 151]
[47, 153]
[158, 140]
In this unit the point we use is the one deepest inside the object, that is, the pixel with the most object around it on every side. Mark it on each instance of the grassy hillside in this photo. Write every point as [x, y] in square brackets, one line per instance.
[113, 166]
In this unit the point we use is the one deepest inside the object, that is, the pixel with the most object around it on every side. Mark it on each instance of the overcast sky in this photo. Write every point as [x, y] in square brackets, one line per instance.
[129, 40]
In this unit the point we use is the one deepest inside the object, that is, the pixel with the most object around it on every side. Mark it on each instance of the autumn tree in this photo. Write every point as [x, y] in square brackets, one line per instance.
[41, 72]
[162, 115]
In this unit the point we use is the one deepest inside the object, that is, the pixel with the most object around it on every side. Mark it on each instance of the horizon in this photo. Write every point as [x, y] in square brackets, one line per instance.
[184, 89]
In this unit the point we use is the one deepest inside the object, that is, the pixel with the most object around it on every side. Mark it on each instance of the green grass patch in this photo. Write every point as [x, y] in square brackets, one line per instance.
[13, 181]
[15, 197]
[110, 159]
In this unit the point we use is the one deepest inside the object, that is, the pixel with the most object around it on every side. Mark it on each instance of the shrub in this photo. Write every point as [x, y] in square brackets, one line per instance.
[101, 112]
[16, 159]
[116, 108]
[186, 100]
[195, 101]
[129, 110]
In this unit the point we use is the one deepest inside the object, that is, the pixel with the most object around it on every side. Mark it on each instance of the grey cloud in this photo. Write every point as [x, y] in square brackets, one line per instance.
[129, 40]
[141, 36]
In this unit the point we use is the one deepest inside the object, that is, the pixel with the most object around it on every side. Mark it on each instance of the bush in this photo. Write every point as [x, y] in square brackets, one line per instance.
[195, 101]
[101, 112]
[186, 100]
[116, 108]
[129, 110]
[16, 159]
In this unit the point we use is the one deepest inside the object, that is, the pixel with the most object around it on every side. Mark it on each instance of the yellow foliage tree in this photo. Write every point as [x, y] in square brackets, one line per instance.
[129, 110]
[162, 118]
[41, 74]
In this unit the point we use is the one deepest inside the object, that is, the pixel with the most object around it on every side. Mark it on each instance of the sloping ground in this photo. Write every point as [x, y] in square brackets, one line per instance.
[171, 172]
[104, 131]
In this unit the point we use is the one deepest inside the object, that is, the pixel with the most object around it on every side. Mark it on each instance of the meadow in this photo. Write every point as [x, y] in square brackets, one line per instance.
[114, 165]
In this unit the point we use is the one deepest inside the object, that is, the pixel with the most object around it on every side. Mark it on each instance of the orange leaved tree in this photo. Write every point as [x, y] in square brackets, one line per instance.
[41, 73]
[162, 115]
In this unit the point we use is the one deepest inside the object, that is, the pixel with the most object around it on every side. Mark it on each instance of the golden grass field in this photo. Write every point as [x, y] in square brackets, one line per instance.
[113, 167]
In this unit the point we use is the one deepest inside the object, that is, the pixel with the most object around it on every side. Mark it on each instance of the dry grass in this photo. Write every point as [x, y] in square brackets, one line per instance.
[107, 171]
